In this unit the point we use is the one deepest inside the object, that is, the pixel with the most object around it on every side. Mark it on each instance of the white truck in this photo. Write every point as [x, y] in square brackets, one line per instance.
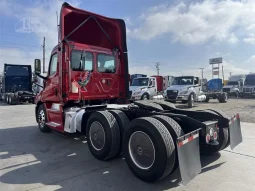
[248, 89]
[234, 85]
[186, 89]
[145, 88]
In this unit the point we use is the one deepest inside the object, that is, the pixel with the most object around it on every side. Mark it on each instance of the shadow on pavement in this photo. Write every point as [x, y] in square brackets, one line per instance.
[31, 160]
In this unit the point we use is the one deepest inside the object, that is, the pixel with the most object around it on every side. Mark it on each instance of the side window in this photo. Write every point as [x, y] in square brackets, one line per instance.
[153, 82]
[53, 64]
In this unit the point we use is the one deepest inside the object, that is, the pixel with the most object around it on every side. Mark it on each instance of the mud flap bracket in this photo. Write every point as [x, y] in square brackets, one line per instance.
[189, 156]
[235, 131]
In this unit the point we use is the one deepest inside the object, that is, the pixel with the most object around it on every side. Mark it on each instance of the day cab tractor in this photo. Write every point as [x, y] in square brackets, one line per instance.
[186, 89]
[146, 88]
[86, 92]
[17, 84]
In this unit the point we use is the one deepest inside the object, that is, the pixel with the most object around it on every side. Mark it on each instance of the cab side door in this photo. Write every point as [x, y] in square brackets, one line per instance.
[51, 91]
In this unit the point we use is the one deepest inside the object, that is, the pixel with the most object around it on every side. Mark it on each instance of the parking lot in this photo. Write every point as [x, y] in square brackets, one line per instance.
[31, 160]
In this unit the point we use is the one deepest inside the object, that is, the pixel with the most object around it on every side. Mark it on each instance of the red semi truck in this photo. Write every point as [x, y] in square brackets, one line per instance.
[86, 90]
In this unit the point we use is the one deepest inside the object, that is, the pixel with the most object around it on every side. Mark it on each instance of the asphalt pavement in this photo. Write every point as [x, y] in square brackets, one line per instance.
[31, 160]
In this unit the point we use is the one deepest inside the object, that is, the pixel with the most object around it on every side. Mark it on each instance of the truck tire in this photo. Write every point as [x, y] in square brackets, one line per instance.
[145, 96]
[42, 119]
[151, 136]
[13, 100]
[103, 135]
[175, 130]
[223, 98]
[207, 99]
[237, 93]
[191, 100]
[122, 121]
[7, 99]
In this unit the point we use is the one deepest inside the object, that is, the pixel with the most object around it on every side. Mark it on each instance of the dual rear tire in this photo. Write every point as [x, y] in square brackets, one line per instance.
[147, 143]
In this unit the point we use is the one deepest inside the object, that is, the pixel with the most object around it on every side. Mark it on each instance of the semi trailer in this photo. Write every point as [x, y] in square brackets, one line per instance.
[86, 91]
[17, 84]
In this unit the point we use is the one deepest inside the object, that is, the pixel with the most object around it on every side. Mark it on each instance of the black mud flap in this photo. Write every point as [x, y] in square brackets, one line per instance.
[189, 156]
[235, 131]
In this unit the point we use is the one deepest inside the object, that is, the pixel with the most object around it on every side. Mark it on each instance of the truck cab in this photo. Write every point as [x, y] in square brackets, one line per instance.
[234, 85]
[17, 84]
[144, 88]
[248, 89]
[186, 89]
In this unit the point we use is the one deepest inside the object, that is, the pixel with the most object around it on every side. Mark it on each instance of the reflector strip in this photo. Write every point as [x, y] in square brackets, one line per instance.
[187, 140]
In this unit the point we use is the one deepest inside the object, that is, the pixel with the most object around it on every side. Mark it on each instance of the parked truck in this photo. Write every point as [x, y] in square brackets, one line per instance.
[248, 89]
[234, 85]
[17, 84]
[133, 76]
[146, 88]
[87, 91]
[186, 89]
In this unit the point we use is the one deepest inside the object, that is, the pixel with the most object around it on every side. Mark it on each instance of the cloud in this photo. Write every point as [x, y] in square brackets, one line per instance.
[40, 13]
[197, 22]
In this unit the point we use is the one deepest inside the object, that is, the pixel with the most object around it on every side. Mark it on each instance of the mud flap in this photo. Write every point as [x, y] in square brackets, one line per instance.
[235, 131]
[189, 156]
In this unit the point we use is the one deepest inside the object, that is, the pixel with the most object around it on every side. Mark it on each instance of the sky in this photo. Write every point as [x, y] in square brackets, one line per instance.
[181, 35]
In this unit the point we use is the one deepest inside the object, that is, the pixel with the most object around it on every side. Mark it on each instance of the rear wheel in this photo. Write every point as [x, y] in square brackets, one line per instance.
[7, 99]
[149, 149]
[223, 98]
[207, 99]
[103, 135]
[122, 121]
[175, 130]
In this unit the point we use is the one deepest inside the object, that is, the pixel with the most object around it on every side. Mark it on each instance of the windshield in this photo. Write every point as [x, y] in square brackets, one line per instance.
[233, 83]
[76, 60]
[140, 82]
[183, 81]
[17, 71]
[250, 80]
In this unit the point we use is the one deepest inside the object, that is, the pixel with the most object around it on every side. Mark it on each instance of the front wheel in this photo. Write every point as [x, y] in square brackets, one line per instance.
[145, 96]
[237, 94]
[42, 119]
[191, 101]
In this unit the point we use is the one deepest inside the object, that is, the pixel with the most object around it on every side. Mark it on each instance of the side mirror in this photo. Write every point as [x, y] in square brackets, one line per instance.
[37, 66]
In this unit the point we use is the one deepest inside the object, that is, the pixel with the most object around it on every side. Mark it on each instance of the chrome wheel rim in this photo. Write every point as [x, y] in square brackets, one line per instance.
[141, 150]
[97, 135]
[41, 118]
